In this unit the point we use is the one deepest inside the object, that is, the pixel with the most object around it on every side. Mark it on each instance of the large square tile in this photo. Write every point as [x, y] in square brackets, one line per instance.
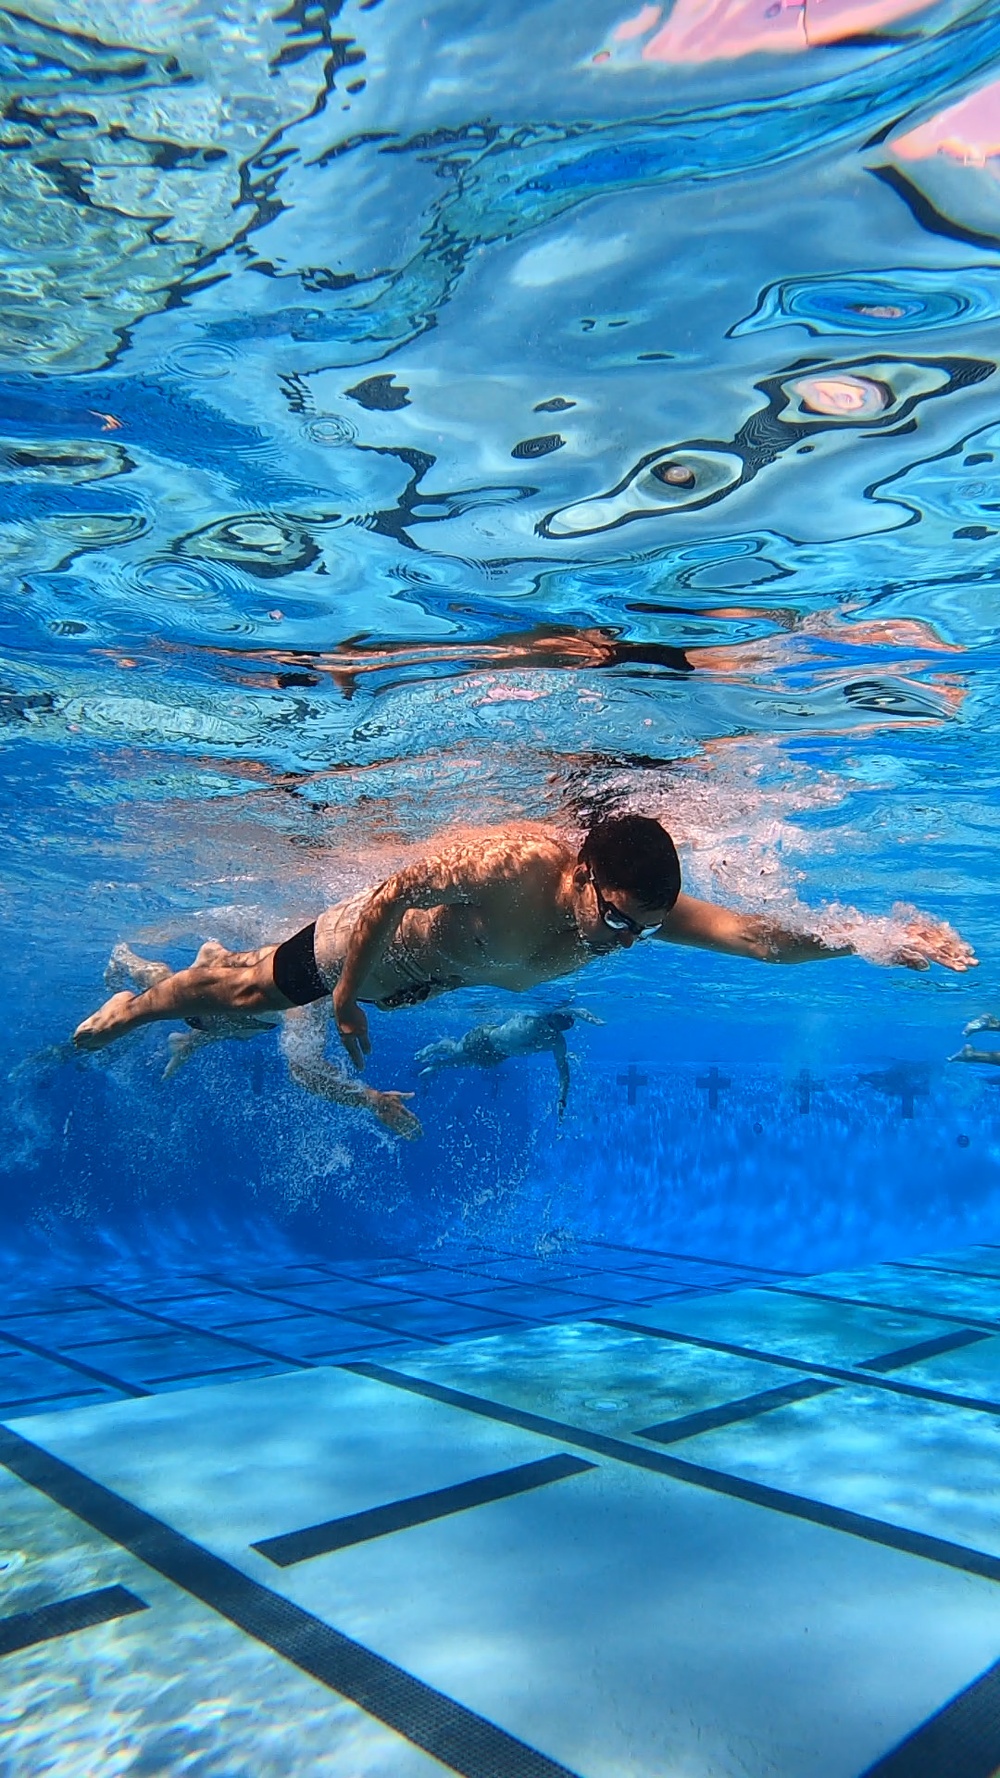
[599, 1378]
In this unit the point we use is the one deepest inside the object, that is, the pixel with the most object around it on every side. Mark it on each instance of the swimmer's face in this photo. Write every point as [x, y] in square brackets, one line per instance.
[598, 904]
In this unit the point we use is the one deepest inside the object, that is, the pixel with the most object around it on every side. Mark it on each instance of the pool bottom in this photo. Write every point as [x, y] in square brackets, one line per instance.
[749, 1532]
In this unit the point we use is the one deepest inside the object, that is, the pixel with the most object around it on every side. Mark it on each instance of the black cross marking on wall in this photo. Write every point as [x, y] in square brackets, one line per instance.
[806, 1086]
[903, 1083]
[633, 1080]
[713, 1083]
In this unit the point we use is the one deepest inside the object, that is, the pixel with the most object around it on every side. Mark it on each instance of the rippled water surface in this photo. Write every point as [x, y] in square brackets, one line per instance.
[413, 416]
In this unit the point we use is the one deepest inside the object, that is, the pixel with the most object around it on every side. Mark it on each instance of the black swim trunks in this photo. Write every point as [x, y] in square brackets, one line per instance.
[296, 975]
[295, 971]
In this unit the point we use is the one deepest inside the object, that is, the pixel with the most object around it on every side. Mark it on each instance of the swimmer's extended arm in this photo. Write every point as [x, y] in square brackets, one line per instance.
[711, 928]
[691, 922]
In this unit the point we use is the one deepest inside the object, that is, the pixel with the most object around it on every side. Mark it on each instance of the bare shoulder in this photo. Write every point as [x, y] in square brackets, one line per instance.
[523, 855]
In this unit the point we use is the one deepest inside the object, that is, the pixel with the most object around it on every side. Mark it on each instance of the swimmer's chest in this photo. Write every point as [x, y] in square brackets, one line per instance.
[514, 954]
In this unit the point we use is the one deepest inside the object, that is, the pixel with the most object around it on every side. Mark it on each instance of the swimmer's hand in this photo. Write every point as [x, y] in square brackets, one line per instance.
[353, 1027]
[397, 1117]
[932, 941]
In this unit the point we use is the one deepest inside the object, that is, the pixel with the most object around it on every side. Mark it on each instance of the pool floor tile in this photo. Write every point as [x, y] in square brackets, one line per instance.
[791, 1326]
[595, 1377]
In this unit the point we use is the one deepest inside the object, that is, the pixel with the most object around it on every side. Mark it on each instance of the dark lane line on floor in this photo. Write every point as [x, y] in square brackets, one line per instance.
[929, 1269]
[24, 1628]
[716, 1481]
[189, 1327]
[456, 1736]
[806, 1366]
[698, 1259]
[418, 1509]
[961, 1740]
[863, 1302]
[953, 1342]
[75, 1364]
[731, 1413]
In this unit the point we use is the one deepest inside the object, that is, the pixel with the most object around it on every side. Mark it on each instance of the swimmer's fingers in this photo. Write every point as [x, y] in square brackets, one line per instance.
[928, 943]
[397, 1117]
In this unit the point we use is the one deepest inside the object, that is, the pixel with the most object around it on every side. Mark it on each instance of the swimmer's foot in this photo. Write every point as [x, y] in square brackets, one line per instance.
[181, 1045]
[104, 1025]
[126, 969]
[986, 1022]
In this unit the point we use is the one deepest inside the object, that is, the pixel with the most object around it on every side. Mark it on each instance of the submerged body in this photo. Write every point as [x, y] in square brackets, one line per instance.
[511, 908]
[525, 1034]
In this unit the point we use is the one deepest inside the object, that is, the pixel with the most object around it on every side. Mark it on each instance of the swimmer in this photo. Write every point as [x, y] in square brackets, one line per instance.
[526, 1034]
[508, 907]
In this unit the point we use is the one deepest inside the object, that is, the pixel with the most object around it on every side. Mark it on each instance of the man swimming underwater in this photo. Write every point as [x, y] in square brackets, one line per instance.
[508, 908]
[525, 1034]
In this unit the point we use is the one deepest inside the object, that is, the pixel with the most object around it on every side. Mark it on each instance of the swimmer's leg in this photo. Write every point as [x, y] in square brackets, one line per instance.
[969, 1054]
[217, 983]
[303, 1040]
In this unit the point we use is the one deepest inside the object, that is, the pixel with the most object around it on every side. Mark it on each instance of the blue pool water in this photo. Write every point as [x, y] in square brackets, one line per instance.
[421, 418]
[339, 348]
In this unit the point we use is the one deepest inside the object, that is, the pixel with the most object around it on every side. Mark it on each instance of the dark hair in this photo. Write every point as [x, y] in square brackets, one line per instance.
[635, 853]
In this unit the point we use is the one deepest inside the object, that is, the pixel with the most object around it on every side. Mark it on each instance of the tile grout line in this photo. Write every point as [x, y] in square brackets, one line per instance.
[451, 1733]
[75, 1364]
[187, 1327]
[344, 1314]
[724, 1265]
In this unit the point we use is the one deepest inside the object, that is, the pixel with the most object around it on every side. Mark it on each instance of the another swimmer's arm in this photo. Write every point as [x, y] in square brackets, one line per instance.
[711, 928]
[438, 883]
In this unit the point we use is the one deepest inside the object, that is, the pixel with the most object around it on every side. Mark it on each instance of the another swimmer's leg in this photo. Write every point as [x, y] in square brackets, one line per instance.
[969, 1054]
[987, 1022]
[218, 981]
[302, 1042]
[126, 969]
